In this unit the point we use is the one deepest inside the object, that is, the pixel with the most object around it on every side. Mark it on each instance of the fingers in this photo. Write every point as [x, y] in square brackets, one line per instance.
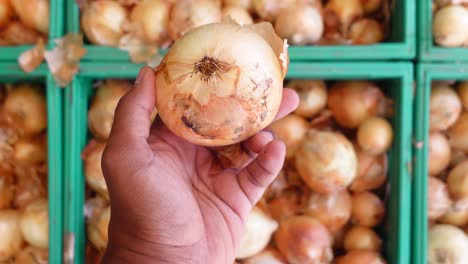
[256, 143]
[288, 104]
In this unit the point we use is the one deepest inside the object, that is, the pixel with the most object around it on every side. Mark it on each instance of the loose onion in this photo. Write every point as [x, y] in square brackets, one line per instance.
[7, 190]
[326, 161]
[362, 238]
[371, 6]
[312, 95]
[288, 203]
[102, 109]
[244, 4]
[449, 26]
[457, 215]
[447, 244]
[291, 130]
[445, 107]
[375, 135]
[438, 202]
[97, 229]
[152, 17]
[238, 14]
[366, 31]
[189, 14]
[33, 13]
[234, 69]
[457, 181]
[6, 12]
[345, 11]
[463, 93]
[30, 185]
[301, 25]
[15, 33]
[332, 210]
[31, 151]
[11, 240]
[439, 153]
[258, 230]
[34, 223]
[103, 22]
[352, 102]
[360, 257]
[302, 239]
[367, 209]
[458, 133]
[92, 156]
[371, 173]
[268, 256]
[32, 255]
[270, 9]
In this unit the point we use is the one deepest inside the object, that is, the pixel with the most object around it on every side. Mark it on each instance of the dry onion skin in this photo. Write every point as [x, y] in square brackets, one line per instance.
[152, 18]
[326, 161]
[362, 238]
[439, 153]
[268, 256]
[458, 133]
[312, 96]
[302, 239]
[33, 13]
[457, 181]
[371, 173]
[463, 93]
[366, 31]
[6, 12]
[367, 209]
[217, 70]
[445, 107]
[238, 14]
[438, 198]
[301, 25]
[92, 156]
[34, 223]
[449, 26]
[291, 129]
[361, 257]
[375, 135]
[447, 244]
[12, 239]
[258, 231]
[97, 229]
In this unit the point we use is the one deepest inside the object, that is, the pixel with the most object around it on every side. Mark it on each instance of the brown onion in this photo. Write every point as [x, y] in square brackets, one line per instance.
[31, 151]
[286, 204]
[15, 33]
[445, 107]
[332, 210]
[345, 11]
[245, 4]
[352, 102]
[367, 209]
[238, 14]
[438, 202]
[457, 181]
[458, 133]
[152, 17]
[375, 135]
[449, 26]
[33, 13]
[291, 130]
[371, 6]
[463, 93]
[312, 95]
[30, 185]
[301, 25]
[234, 69]
[268, 256]
[270, 9]
[371, 173]
[103, 22]
[32, 255]
[11, 239]
[92, 156]
[439, 153]
[34, 223]
[366, 31]
[7, 190]
[302, 239]
[360, 257]
[457, 214]
[447, 244]
[6, 12]
[97, 229]
[338, 238]
[362, 238]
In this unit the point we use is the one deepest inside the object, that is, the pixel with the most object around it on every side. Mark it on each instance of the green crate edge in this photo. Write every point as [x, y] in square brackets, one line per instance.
[56, 29]
[76, 102]
[406, 49]
[427, 51]
[54, 97]
[426, 73]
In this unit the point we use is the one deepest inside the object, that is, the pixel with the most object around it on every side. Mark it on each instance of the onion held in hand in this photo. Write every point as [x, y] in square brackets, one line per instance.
[445, 107]
[447, 245]
[291, 130]
[312, 95]
[439, 153]
[221, 83]
[11, 238]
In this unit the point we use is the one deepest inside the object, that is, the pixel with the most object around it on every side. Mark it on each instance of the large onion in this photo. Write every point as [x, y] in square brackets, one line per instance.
[271, 9]
[92, 156]
[97, 229]
[361, 257]
[238, 14]
[31, 151]
[352, 102]
[439, 153]
[103, 22]
[362, 238]
[258, 230]
[33, 13]
[449, 26]
[375, 135]
[6, 12]
[34, 223]
[326, 161]
[268, 256]
[447, 244]
[345, 11]
[438, 198]
[366, 31]
[332, 210]
[445, 107]
[233, 69]
[152, 17]
[11, 239]
[457, 181]
[458, 133]
[367, 209]
[312, 95]
[302, 24]
[291, 130]
[463, 93]
[32, 255]
[102, 109]
[7, 190]
[371, 173]
[302, 239]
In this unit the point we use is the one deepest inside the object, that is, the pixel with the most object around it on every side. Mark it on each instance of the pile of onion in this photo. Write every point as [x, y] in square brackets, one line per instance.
[449, 26]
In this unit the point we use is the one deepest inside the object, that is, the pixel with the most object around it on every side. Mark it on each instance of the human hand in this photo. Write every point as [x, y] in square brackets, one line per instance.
[170, 201]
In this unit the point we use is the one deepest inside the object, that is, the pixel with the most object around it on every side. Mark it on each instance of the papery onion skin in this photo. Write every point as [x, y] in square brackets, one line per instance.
[458, 133]
[32, 255]
[152, 17]
[268, 256]
[326, 161]
[302, 239]
[12, 240]
[457, 181]
[97, 229]
[312, 96]
[6, 12]
[301, 25]
[366, 31]
[463, 93]
[238, 14]
[438, 198]
[34, 224]
[375, 135]
[103, 21]
[362, 238]
[367, 209]
[291, 129]
[371, 173]
[270, 9]
[198, 106]
[449, 26]
[439, 153]
[92, 156]
[447, 244]
[360, 257]
[445, 107]
[33, 13]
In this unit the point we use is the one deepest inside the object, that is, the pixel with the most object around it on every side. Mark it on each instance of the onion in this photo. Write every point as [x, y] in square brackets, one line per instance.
[326, 161]
[152, 17]
[445, 107]
[371, 6]
[31, 151]
[371, 173]
[457, 214]
[34, 223]
[332, 210]
[189, 14]
[375, 135]
[6, 12]
[244, 4]
[291, 130]
[11, 240]
[268, 256]
[288, 203]
[449, 26]
[362, 238]
[103, 22]
[258, 230]
[302, 239]
[338, 238]
[7, 190]
[463, 93]
[367, 209]
[33, 13]
[361, 257]
[301, 25]
[92, 156]
[366, 31]
[438, 202]
[270, 9]
[352, 102]
[458, 133]
[447, 244]
[16, 33]
[238, 14]
[32, 255]
[234, 69]
[457, 181]
[97, 229]
[102, 109]
[439, 153]
[30, 185]
[346, 11]
[312, 95]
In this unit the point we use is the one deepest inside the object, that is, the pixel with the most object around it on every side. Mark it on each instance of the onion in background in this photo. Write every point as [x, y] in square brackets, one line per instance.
[371, 173]
[345, 12]
[11, 240]
[33, 13]
[152, 18]
[375, 135]
[445, 107]
[291, 129]
[240, 15]
[362, 238]
[366, 31]
[438, 198]
[32, 255]
[271, 9]
[34, 223]
[7, 190]
[449, 26]
[463, 93]
[360, 257]
[458, 133]
[457, 181]
[301, 25]
[6, 12]
[367, 209]
[97, 229]
[268, 256]
[312, 95]
[92, 156]
[31, 151]
[439, 153]
[447, 244]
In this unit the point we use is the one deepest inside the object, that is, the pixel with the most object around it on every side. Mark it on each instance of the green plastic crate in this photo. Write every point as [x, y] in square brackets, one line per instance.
[427, 50]
[426, 74]
[397, 81]
[402, 43]
[56, 13]
[10, 72]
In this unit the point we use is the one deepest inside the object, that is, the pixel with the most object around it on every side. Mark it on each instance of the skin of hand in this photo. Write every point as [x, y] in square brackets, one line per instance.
[170, 201]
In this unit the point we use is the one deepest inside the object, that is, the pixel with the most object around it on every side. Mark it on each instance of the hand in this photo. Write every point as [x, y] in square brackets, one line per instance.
[170, 202]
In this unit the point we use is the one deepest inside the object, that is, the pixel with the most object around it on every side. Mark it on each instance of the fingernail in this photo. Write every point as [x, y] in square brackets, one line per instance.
[268, 135]
[270, 131]
[140, 76]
